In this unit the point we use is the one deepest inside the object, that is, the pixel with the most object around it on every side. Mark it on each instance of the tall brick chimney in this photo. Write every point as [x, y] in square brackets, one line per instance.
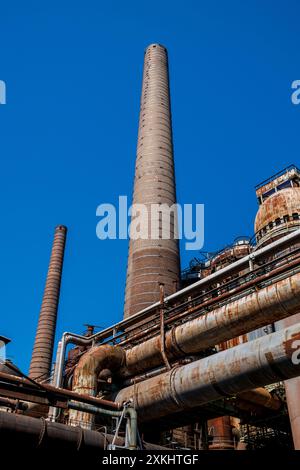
[153, 261]
[41, 359]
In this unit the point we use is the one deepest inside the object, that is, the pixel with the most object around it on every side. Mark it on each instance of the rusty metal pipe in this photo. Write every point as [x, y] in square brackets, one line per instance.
[262, 397]
[72, 338]
[214, 300]
[31, 433]
[259, 308]
[46, 394]
[86, 375]
[13, 404]
[255, 364]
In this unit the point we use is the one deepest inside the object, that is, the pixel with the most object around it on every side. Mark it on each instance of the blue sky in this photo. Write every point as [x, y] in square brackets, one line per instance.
[68, 134]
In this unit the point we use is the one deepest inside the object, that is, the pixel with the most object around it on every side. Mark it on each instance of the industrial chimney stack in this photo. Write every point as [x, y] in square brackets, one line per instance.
[153, 261]
[41, 360]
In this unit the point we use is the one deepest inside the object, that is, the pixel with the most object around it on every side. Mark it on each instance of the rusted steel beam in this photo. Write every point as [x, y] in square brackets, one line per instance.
[259, 308]
[241, 368]
[41, 360]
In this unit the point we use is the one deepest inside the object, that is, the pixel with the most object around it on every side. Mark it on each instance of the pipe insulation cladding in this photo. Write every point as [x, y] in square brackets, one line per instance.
[254, 364]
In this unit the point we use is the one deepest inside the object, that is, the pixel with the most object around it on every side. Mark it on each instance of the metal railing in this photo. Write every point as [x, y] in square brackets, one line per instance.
[280, 173]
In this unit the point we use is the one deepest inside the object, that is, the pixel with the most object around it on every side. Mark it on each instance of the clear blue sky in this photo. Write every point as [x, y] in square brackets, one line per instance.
[73, 71]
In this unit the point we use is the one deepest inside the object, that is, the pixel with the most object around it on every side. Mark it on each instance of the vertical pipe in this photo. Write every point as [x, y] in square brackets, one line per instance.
[53, 411]
[292, 389]
[152, 261]
[40, 365]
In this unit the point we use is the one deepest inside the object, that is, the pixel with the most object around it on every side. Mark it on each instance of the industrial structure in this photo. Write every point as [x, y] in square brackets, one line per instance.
[153, 261]
[206, 359]
[41, 359]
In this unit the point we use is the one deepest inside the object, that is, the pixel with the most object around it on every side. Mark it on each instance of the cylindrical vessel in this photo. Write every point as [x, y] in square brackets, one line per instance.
[41, 359]
[153, 258]
[220, 430]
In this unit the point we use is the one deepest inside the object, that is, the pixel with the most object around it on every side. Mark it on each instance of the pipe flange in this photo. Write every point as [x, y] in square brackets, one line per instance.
[175, 349]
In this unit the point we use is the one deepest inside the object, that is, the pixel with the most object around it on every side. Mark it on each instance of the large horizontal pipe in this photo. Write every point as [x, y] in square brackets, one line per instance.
[32, 433]
[254, 364]
[259, 308]
[72, 338]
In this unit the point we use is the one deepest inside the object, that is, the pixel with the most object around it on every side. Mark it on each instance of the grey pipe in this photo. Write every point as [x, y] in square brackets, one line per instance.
[129, 413]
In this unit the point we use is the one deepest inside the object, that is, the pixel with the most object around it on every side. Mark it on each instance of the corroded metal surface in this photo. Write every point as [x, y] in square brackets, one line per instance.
[31, 433]
[24, 389]
[262, 397]
[276, 215]
[254, 364]
[259, 308]
[220, 430]
[41, 359]
[151, 261]
[86, 374]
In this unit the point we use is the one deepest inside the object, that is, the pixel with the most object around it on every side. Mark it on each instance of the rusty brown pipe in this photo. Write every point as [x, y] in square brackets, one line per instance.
[44, 394]
[86, 375]
[214, 300]
[13, 404]
[41, 360]
[259, 308]
[254, 364]
[262, 397]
